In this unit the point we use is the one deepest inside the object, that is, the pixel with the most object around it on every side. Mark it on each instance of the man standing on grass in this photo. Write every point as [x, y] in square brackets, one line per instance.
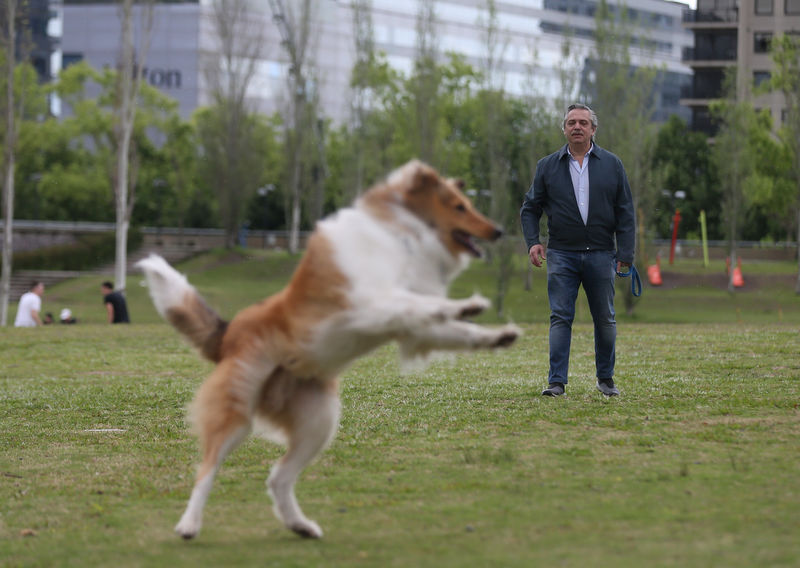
[30, 304]
[116, 307]
[591, 224]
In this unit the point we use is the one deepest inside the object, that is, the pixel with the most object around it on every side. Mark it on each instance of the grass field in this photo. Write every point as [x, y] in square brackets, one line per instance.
[463, 464]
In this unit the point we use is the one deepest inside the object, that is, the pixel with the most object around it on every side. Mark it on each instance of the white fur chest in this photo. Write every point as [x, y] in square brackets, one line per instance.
[376, 255]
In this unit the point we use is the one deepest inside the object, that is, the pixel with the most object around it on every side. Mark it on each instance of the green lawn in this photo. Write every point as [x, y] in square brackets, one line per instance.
[463, 464]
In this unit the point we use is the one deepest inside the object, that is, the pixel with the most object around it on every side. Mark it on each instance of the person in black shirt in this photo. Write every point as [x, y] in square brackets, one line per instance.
[116, 307]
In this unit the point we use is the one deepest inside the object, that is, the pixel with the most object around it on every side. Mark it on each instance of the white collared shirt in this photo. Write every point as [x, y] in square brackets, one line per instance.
[580, 182]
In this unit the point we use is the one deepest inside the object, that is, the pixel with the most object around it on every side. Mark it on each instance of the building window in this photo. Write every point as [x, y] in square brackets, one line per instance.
[764, 7]
[68, 59]
[761, 41]
[792, 6]
[760, 77]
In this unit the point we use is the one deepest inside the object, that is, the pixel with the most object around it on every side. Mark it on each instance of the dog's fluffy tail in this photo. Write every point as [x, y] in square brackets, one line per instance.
[179, 303]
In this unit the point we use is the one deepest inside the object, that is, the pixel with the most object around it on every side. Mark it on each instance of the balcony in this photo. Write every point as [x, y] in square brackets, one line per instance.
[702, 90]
[721, 16]
[690, 54]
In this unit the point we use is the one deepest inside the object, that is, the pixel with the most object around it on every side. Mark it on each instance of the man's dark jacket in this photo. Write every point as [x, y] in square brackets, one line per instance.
[611, 212]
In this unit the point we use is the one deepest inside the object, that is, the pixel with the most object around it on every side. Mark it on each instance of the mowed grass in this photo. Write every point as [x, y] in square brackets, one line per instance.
[462, 464]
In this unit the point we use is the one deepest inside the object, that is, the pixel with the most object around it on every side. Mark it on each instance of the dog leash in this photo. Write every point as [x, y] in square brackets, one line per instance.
[636, 281]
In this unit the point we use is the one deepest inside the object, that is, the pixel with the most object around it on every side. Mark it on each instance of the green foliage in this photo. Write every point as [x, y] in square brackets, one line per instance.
[684, 160]
[240, 153]
[771, 192]
[733, 156]
[57, 179]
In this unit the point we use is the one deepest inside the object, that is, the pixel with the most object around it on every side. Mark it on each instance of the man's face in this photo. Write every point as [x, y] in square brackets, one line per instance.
[578, 127]
[39, 289]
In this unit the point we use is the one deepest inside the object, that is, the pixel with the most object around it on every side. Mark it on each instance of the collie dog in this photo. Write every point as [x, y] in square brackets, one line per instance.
[371, 273]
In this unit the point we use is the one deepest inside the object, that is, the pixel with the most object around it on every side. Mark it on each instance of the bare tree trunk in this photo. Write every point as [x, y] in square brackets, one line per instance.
[297, 197]
[365, 52]
[500, 209]
[296, 35]
[425, 97]
[129, 76]
[8, 162]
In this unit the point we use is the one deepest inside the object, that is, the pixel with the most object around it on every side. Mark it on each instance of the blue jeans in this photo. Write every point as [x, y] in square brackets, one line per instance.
[566, 271]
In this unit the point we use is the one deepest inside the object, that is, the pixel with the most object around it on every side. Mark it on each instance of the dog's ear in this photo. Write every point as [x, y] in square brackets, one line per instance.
[424, 177]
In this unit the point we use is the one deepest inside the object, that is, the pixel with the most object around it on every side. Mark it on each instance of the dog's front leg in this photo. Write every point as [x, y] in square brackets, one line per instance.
[456, 335]
[402, 311]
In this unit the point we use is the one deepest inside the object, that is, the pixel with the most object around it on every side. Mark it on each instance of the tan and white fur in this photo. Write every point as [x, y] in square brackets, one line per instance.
[372, 273]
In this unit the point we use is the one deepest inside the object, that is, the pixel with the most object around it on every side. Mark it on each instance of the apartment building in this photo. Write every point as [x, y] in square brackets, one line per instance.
[734, 33]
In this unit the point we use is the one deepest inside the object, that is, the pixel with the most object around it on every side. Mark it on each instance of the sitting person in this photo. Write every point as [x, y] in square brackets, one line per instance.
[66, 316]
[30, 304]
[116, 307]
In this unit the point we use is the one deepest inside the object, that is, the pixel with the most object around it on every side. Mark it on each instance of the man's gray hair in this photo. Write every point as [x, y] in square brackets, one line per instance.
[583, 107]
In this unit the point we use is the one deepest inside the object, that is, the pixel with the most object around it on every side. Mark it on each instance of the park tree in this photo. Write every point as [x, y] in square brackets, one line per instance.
[8, 37]
[734, 161]
[86, 146]
[497, 129]
[60, 175]
[622, 96]
[424, 84]
[362, 151]
[180, 163]
[128, 82]
[21, 104]
[786, 78]
[771, 190]
[302, 126]
[362, 101]
[229, 130]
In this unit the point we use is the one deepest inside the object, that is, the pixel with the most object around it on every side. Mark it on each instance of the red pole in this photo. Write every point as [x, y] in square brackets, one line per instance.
[676, 220]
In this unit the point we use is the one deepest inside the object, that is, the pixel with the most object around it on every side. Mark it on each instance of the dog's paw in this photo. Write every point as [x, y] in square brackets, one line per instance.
[187, 528]
[473, 306]
[306, 529]
[506, 336]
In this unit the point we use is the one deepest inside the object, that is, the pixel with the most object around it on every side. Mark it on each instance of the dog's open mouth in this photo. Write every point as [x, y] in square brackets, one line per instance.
[465, 240]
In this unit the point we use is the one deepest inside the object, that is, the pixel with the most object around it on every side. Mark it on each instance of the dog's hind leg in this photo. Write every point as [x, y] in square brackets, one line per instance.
[222, 414]
[216, 448]
[310, 421]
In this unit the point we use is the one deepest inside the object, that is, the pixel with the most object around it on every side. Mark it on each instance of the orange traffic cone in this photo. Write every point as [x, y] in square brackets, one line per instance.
[738, 279]
[654, 273]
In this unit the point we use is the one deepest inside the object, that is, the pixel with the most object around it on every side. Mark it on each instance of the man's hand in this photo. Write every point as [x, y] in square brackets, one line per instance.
[536, 254]
[623, 265]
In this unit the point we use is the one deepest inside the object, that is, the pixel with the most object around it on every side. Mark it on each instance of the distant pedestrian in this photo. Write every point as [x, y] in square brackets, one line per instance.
[30, 304]
[116, 307]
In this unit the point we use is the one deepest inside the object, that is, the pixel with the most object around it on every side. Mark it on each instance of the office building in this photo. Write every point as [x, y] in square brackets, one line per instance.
[530, 62]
